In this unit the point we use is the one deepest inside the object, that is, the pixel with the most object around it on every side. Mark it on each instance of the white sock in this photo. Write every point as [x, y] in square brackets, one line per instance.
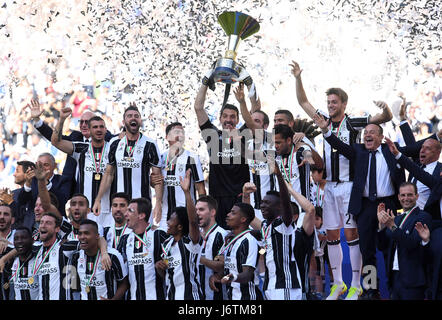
[356, 262]
[335, 257]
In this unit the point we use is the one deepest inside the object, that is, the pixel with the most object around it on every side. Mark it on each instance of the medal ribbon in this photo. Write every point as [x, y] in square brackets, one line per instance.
[129, 149]
[34, 272]
[318, 197]
[167, 248]
[144, 236]
[97, 169]
[116, 241]
[406, 216]
[94, 267]
[338, 133]
[169, 165]
[230, 244]
[206, 236]
[289, 160]
[265, 233]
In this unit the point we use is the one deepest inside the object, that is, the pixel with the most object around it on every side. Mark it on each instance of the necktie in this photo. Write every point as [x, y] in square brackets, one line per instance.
[372, 182]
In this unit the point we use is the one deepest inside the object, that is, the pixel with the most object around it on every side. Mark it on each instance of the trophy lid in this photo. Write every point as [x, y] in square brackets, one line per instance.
[238, 23]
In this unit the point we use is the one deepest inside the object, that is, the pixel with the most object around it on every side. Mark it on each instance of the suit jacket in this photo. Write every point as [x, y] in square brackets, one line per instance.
[410, 251]
[360, 157]
[435, 249]
[70, 164]
[24, 214]
[60, 187]
[432, 181]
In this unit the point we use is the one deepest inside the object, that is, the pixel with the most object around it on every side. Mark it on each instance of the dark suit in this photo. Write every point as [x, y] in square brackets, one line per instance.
[432, 181]
[410, 281]
[24, 213]
[60, 187]
[364, 210]
[70, 164]
[435, 250]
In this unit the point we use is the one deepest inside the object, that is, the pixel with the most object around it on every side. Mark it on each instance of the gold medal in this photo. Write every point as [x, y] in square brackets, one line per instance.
[6, 286]
[145, 254]
[216, 258]
[31, 280]
[97, 176]
[262, 251]
[87, 289]
[334, 150]
[253, 171]
[166, 261]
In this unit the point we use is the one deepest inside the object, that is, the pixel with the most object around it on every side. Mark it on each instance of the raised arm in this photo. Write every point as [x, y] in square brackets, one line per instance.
[300, 93]
[159, 188]
[207, 82]
[57, 136]
[43, 193]
[245, 113]
[384, 116]
[194, 232]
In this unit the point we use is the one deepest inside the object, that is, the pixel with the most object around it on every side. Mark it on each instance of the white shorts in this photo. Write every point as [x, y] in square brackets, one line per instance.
[283, 294]
[335, 209]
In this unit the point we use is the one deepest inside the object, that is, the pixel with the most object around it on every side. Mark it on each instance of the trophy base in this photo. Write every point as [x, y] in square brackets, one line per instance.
[226, 71]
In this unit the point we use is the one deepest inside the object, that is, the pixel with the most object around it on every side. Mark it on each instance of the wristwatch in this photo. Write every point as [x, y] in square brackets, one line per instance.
[394, 227]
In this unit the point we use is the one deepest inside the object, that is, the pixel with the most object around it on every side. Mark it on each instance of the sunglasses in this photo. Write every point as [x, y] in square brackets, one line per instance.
[84, 122]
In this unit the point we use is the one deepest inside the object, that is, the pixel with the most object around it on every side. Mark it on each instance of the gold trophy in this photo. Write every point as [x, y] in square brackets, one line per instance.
[237, 26]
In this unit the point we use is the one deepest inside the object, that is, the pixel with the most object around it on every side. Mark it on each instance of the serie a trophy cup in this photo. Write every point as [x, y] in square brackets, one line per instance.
[238, 26]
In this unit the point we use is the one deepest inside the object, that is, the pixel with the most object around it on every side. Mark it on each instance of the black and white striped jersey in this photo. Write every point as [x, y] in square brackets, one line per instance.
[337, 167]
[278, 241]
[174, 168]
[243, 252]
[317, 195]
[210, 246]
[140, 253]
[299, 177]
[182, 275]
[132, 161]
[50, 269]
[114, 234]
[21, 272]
[91, 164]
[92, 280]
[259, 171]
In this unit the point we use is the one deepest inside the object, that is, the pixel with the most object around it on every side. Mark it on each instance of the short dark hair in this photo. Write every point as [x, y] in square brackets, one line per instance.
[211, 202]
[339, 92]
[181, 213]
[131, 107]
[266, 117]
[81, 195]
[90, 222]
[143, 206]
[23, 228]
[406, 183]
[123, 195]
[55, 216]
[284, 130]
[287, 113]
[26, 165]
[173, 125]
[273, 193]
[230, 107]
[94, 118]
[246, 210]
[316, 168]
[318, 212]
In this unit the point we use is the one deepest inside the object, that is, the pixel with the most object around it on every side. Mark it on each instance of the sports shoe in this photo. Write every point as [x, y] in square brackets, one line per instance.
[336, 290]
[353, 293]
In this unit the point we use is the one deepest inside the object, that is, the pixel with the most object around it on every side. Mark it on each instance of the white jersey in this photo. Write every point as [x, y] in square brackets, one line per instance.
[140, 253]
[50, 269]
[243, 252]
[91, 164]
[10, 236]
[182, 275]
[68, 232]
[210, 246]
[93, 281]
[172, 170]
[337, 167]
[259, 173]
[21, 272]
[132, 162]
